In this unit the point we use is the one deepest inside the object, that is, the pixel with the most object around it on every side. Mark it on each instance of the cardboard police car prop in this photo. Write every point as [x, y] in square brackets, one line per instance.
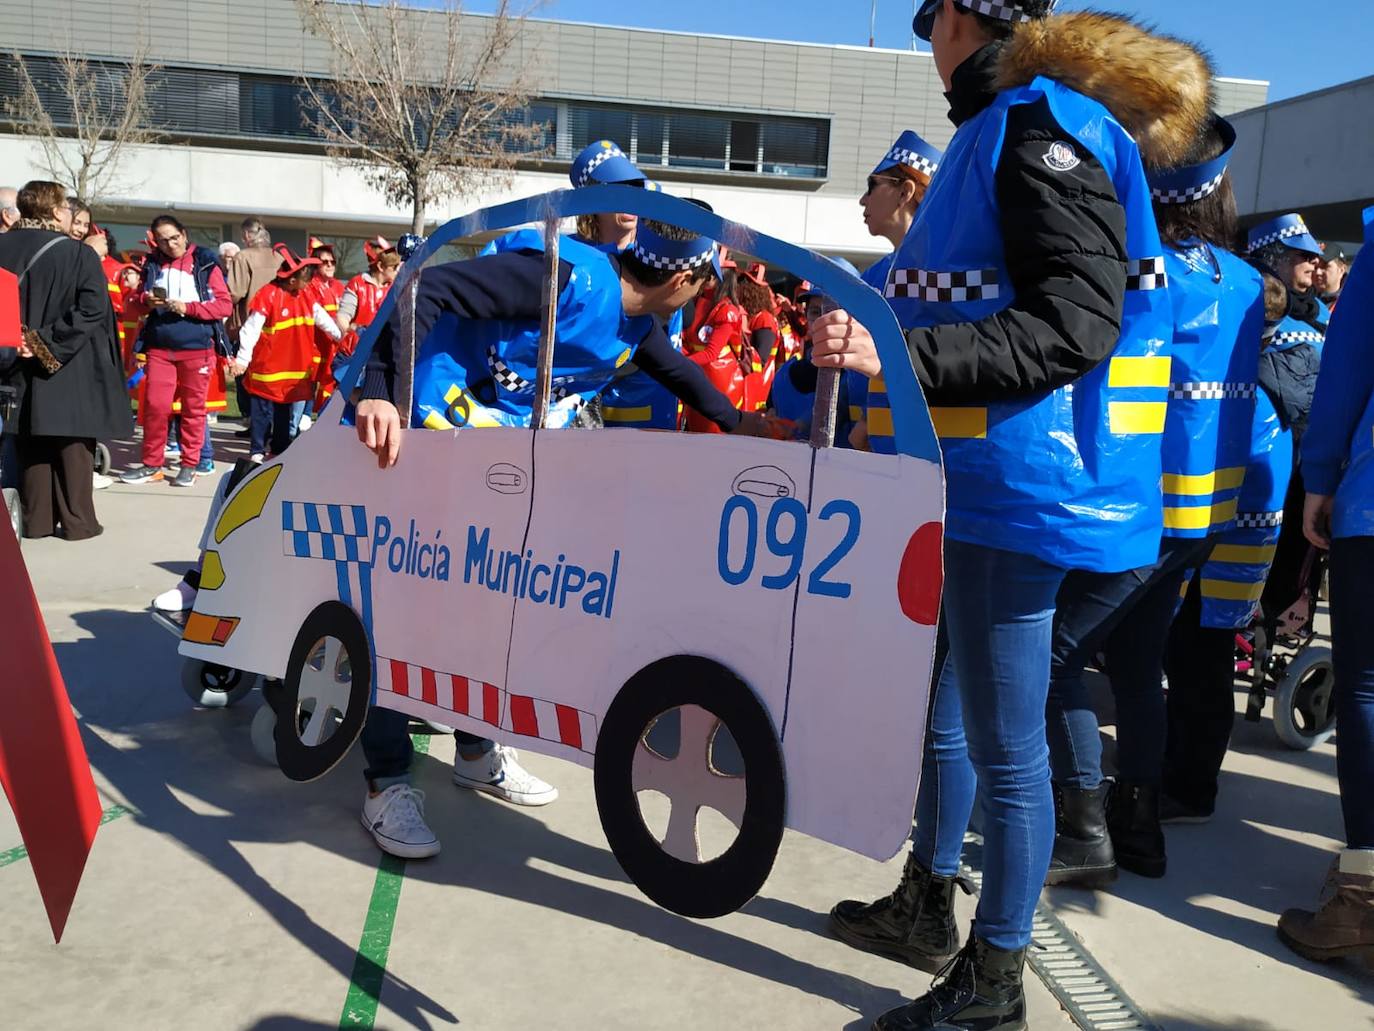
[574, 593]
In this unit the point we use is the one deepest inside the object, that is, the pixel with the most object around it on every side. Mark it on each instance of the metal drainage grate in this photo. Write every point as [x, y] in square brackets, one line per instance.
[1082, 986]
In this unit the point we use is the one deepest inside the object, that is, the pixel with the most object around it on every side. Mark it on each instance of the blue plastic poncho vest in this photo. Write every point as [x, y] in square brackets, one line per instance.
[1071, 476]
[481, 373]
[1291, 332]
[1233, 576]
[1339, 447]
[1218, 311]
[640, 402]
[790, 403]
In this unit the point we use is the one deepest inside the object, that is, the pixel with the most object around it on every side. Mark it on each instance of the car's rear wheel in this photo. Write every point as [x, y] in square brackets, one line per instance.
[688, 730]
[324, 696]
[212, 686]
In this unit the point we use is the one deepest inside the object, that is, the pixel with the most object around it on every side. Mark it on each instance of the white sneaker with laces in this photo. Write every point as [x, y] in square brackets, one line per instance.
[180, 598]
[257, 458]
[498, 772]
[100, 482]
[396, 819]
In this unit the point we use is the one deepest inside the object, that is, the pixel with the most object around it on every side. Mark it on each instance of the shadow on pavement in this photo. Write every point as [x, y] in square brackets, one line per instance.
[206, 754]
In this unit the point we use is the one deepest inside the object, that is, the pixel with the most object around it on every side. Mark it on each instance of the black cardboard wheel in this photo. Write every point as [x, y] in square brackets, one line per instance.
[323, 701]
[725, 883]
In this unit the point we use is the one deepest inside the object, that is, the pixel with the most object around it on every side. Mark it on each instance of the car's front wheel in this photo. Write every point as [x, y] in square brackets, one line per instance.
[324, 695]
[687, 730]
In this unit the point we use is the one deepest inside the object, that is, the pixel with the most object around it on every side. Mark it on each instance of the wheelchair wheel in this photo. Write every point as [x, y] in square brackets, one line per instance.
[1304, 702]
[212, 686]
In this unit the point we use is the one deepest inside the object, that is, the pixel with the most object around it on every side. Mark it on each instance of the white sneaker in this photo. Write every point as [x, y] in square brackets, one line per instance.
[257, 459]
[304, 424]
[100, 482]
[180, 598]
[396, 819]
[498, 772]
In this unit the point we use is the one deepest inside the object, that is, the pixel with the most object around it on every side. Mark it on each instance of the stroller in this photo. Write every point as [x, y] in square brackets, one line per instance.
[1280, 653]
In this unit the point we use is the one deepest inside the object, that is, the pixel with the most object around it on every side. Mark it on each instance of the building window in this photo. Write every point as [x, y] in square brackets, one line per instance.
[744, 146]
[697, 141]
[589, 124]
[800, 147]
[651, 131]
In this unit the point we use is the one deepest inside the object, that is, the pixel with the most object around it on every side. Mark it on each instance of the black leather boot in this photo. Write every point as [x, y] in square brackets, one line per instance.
[1133, 822]
[1083, 855]
[914, 925]
[980, 990]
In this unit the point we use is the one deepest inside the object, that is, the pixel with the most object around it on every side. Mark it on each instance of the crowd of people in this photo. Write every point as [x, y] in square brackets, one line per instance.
[1137, 403]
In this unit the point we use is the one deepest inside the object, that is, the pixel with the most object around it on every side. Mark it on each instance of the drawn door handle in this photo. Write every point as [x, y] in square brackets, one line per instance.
[765, 481]
[507, 479]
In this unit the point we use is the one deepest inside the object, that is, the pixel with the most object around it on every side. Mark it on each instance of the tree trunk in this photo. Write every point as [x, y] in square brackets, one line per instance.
[417, 202]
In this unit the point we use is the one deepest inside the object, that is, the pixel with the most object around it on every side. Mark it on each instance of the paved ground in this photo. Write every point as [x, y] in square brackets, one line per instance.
[231, 898]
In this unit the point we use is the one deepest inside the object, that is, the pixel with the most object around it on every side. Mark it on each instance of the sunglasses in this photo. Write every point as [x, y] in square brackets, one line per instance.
[924, 22]
[875, 180]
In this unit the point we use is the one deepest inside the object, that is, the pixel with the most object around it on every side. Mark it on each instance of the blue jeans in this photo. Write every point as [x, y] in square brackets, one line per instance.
[1127, 616]
[388, 751]
[1352, 617]
[999, 613]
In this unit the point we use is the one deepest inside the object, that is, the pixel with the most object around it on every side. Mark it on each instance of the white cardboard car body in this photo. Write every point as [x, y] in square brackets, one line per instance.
[512, 582]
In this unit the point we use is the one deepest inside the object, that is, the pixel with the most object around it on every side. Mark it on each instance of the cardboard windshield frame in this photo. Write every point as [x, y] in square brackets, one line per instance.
[913, 430]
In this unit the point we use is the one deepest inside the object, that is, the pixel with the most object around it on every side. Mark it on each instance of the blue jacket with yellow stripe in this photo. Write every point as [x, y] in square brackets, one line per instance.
[1069, 474]
[1338, 451]
[1218, 311]
[1234, 574]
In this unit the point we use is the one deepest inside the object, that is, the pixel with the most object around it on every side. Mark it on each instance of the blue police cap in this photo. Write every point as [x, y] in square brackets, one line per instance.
[1194, 182]
[912, 151]
[1289, 230]
[1002, 10]
[674, 255]
[605, 163]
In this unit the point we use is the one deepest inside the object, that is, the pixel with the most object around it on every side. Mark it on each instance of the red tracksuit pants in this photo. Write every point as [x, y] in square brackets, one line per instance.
[173, 375]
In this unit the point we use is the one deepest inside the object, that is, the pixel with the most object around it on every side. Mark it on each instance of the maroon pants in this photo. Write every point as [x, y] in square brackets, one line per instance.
[176, 375]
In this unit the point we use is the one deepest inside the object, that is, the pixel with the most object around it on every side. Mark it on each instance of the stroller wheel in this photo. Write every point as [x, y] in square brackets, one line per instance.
[212, 686]
[263, 733]
[1304, 709]
[102, 459]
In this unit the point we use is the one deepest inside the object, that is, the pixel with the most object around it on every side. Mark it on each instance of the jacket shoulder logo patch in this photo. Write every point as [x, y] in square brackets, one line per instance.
[1061, 157]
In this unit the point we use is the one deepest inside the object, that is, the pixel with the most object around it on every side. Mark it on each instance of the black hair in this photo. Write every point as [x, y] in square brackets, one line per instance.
[650, 276]
[166, 220]
[1213, 219]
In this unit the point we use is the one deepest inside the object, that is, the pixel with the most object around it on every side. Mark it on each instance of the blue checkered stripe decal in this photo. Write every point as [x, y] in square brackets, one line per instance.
[335, 533]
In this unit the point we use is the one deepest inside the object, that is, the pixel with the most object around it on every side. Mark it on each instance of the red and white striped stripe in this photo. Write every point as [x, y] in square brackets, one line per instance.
[449, 691]
[528, 716]
[550, 721]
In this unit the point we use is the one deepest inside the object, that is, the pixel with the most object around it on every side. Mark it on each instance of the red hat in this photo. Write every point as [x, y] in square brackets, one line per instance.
[316, 244]
[758, 272]
[375, 248]
[726, 261]
[290, 264]
[95, 230]
[804, 287]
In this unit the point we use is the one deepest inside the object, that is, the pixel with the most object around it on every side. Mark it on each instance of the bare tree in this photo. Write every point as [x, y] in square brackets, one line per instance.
[85, 115]
[430, 103]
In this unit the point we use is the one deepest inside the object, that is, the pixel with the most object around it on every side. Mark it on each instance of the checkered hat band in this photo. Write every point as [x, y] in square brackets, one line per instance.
[943, 287]
[993, 9]
[911, 159]
[1146, 274]
[1308, 336]
[1188, 194]
[1283, 234]
[1211, 391]
[659, 261]
[1258, 520]
[599, 159]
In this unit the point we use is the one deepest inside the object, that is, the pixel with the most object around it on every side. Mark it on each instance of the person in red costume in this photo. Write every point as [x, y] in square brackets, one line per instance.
[330, 289]
[716, 343]
[762, 337]
[278, 349]
[358, 305]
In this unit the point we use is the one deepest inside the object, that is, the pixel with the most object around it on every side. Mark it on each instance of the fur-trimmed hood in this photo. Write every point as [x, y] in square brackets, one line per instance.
[1159, 88]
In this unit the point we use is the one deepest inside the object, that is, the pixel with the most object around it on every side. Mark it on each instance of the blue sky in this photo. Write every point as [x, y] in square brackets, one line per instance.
[1297, 46]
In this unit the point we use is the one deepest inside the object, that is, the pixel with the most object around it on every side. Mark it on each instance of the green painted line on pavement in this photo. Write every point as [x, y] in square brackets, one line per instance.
[369, 965]
[13, 855]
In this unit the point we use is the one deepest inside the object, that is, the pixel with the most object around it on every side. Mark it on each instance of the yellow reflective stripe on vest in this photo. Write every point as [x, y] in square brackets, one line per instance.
[627, 414]
[856, 413]
[1131, 417]
[950, 423]
[1199, 517]
[1203, 484]
[277, 377]
[285, 324]
[1150, 371]
[1249, 555]
[1231, 590]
